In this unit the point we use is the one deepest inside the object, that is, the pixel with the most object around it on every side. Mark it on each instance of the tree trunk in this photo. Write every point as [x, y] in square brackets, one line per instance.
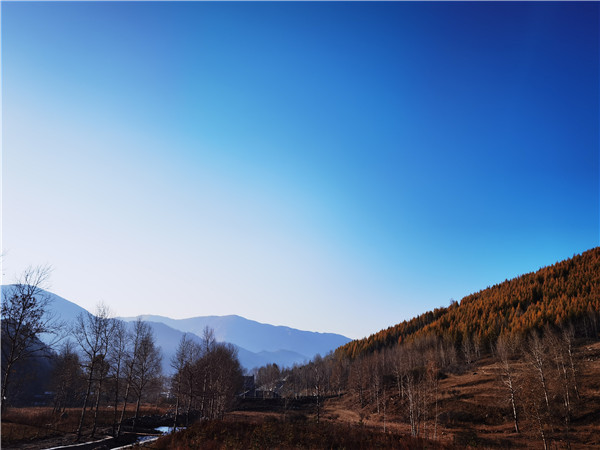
[177, 402]
[116, 404]
[435, 423]
[97, 406]
[124, 407]
[137, 411]
[4, 386]
[188, 409]
[541, 429]
[514, 406]
[318, 408]
[85, 401]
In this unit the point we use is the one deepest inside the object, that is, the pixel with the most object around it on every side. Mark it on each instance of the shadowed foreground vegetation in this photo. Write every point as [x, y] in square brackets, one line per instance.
[42, 427]
[218, 434]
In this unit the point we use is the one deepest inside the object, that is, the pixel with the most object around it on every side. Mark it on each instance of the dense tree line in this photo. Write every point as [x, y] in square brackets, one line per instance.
[566, 292]
[538, 380]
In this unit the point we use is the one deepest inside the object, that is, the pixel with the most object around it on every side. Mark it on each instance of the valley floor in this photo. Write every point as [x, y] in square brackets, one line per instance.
[475, 414]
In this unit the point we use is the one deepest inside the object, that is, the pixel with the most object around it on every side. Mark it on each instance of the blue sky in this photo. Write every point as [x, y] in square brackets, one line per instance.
[327, 166]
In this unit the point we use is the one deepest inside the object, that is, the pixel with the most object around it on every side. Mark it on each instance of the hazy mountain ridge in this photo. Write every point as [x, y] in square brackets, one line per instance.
[298, 347]
[255, 336]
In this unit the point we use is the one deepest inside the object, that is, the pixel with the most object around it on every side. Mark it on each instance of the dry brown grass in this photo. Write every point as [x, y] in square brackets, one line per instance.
[32, 424]
[277, 434]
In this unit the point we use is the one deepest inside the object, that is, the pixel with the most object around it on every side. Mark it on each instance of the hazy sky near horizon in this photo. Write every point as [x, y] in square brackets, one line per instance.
[326, 166]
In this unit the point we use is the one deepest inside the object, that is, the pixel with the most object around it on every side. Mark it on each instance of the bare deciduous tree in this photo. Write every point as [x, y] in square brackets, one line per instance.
[339, 373]
[25, 317]
[505, 349]
[223, 375]
[146, 367]
[208, 375]
[117, 357]
[93, 334]
[358, 378]
[568, 337]
[189, 377]
[318, 376]
[133, 341]
[67, 380]
[432, 382]
[537, 358]
[180, 359]
[468, 349]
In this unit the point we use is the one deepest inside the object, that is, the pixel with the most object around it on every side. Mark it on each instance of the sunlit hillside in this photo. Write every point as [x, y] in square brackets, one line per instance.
[565, 292]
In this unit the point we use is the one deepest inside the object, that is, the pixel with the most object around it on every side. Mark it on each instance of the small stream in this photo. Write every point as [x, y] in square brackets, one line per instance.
[149, 438]
[127, 440]
[168, 430]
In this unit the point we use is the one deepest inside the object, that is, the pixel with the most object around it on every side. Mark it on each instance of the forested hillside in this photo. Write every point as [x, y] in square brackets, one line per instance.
[515, 364]
[566, 292]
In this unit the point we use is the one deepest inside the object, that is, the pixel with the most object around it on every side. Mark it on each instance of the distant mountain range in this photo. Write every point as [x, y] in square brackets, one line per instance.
[258, 344]
[255, 336]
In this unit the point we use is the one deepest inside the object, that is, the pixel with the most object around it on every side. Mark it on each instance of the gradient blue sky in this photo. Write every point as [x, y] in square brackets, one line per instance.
[327, 166]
